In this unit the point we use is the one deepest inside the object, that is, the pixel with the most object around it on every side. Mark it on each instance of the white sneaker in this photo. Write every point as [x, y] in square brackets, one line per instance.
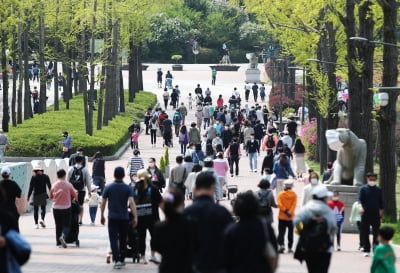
[118, 265]
[143, 261]
[41, 222]
[366, 254]
[36, 226]
[154, 260]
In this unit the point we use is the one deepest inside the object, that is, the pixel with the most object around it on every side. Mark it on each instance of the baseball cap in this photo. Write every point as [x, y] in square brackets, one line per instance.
[321, 191]
[5, 170]
[119, 172]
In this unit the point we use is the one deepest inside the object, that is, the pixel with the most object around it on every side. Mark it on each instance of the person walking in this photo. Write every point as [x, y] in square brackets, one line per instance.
[299, 156]
[78, 175]
[4, 145]
[165, 98]
[338, 208]
[199, 116]
[247, 88]
[93, 202]
[98, 171]
[159, 77]
[118, 195]
[198, 155]
[221, 168]
[184, 111]
[37, 187]
[266, 200]
[157, 177]
[282, 170]
[233, 154]
[147, 199]
[147, 117]
[135, 163]
[252, 150]
[153, 131]
[384, 255]
[255, 91]
[210, 221]
[178, 175]
[316, 215]
[313, 180]
[355, 218]
[173, 238]
[262, 93]
[183, 139]
[213, 76]
[12, 192]
[287, 200]
[72, 158]
[206, 116]
[194, 134]
[61, 193]
[67, 145]
[177, 121]
[245, 241]
[371, 210]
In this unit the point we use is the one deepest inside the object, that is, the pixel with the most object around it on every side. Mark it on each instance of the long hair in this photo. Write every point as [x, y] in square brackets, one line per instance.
[299, 147]
[183, 129]
[172, 199]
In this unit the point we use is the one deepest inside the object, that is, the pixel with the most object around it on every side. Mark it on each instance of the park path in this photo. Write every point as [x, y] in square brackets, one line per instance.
[90, 257]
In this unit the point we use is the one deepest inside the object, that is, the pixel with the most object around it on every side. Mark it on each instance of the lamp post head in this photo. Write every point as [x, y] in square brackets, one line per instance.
[360, 39]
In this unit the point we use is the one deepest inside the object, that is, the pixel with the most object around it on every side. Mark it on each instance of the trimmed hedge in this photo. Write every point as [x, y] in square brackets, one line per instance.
[41, 136]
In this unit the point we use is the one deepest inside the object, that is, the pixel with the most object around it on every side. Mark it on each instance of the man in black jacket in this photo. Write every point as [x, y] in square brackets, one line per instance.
[252, 150]
[210, 221]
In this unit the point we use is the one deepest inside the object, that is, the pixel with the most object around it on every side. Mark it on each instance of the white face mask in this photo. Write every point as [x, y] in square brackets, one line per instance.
[314, 181]
[371, 183]
[335, 198]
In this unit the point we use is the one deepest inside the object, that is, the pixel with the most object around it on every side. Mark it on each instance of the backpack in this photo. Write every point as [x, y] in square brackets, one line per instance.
[314, 237]
[270, 142]
[177, 118]
[263, 200]
[77, 178]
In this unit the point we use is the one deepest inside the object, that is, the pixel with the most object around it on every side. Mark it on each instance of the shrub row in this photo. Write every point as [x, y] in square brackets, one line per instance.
[41, 135]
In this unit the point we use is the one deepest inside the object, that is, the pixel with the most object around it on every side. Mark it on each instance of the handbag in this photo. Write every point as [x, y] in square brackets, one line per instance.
[18, 246]
[270, 253]
[65, 149]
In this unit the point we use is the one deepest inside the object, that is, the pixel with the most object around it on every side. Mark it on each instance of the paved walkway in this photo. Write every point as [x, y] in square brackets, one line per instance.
[90, 257]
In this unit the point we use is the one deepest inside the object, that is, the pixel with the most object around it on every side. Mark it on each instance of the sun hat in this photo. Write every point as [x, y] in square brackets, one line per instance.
[321, 191]
[5, 170]
[142, 174]
[37, 167]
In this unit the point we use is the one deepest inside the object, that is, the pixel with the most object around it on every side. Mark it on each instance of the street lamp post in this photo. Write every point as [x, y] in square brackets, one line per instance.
[303, 91]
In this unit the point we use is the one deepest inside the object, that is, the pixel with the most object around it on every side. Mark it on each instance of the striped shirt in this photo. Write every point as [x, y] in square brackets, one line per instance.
[135, 163]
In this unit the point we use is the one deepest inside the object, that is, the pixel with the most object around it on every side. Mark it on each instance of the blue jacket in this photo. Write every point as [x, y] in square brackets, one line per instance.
[282, 172]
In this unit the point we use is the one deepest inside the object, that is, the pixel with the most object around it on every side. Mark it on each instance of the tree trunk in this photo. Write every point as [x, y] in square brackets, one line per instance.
[121, 92]
[131, 67]
[140, 70]
[6, 116]
[135, 78]
[21, 76]
[27, 92]
[42, 75]
[92, 71]
[15, 74]
[83, 73]
[101, 96]
[387, 121]
[55, 71]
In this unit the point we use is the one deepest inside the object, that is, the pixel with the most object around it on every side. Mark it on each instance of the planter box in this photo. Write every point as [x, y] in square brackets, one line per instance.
[225, 67]
[177, 67]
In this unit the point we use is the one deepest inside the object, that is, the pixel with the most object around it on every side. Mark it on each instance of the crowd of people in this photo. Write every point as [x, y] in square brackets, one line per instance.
[205, 236]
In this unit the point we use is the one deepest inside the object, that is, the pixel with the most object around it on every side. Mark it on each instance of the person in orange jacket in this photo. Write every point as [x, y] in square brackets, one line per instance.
[287, 200]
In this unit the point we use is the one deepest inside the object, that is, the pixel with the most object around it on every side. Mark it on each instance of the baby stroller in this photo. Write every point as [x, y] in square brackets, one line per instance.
[132, 247]
[73, 236]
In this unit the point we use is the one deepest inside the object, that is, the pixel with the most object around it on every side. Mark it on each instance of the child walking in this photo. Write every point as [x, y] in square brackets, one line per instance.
[94, 202]
[190, 101]
[338, 208]
[384, 256]
[135, 139]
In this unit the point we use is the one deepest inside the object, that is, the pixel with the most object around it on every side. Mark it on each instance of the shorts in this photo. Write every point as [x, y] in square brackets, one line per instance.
[81, 197]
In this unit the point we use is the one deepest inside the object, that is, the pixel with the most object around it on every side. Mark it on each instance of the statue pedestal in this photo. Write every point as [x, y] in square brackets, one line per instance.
[253, 75]
[348, 195]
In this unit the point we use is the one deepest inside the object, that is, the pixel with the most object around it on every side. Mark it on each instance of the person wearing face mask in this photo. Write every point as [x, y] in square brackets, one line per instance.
[338, 208]
[157, 177]
[314, 181]
[371, 209]
[252, 149]
[217, 140]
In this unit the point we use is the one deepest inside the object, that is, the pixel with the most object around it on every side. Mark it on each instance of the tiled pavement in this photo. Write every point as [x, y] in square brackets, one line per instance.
[90, 257]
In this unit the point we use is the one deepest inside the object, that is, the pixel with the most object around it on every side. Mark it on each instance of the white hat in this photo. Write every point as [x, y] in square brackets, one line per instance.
[288, 182]
[5, 170]
[321, 191]
[37, 167]
[93, 187]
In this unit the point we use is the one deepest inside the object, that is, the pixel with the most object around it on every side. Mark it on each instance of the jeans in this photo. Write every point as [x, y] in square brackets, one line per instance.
[36, 213]
[338, 233]
[153, 135]
[92, 212]
[99, 181]
[370, 218]
[253, 161]
[177, 127]
[219, 187]
[282, 226]
[145, 223]
[183, 148]
[234, 160]
[62, 219]
[318, 262]
[118, 233]
[206, 122]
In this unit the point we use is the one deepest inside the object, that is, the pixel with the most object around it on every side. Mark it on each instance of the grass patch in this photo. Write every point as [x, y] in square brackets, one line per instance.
[40, 136]
[313, 165]
[396, 237]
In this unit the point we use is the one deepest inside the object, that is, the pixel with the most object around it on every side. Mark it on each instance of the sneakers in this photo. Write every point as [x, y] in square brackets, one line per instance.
[281, 249]
[338, 248]
[366, 254]
[143, 261]
[41, 222]
[119, 265]
[154, 260]
[62, 241]
[36, 226]
[290, 250]
[108, 258]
